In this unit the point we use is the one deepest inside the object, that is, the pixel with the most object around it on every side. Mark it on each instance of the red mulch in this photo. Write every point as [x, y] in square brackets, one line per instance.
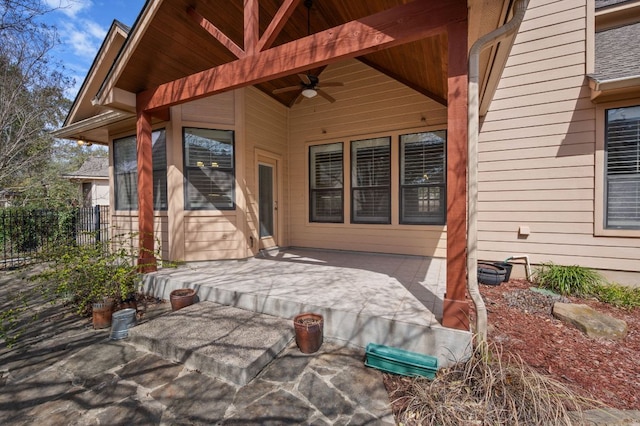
[606, 370]
[520, 321]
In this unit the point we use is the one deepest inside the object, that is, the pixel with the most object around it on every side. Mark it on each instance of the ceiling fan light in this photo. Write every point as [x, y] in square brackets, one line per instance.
[309, 93]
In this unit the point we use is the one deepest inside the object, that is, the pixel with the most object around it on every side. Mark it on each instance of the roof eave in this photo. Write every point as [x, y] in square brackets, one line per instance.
[75, 130]
[605, 90]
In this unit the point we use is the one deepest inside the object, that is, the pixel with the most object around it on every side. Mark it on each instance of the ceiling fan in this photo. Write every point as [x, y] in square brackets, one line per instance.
[309, 86]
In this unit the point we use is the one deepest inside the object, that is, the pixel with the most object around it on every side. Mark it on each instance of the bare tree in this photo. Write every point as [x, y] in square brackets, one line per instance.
[32, 89]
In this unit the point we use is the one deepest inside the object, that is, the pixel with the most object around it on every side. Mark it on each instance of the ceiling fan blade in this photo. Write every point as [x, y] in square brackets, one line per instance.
[286, 89]
[325, 95]
[305, 78]
[331, 84]
[299, 99]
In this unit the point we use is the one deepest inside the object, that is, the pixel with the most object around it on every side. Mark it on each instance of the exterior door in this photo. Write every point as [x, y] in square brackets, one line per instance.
[267, 203]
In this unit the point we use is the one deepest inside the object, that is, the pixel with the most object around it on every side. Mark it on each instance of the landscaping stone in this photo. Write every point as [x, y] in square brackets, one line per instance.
[589, 321]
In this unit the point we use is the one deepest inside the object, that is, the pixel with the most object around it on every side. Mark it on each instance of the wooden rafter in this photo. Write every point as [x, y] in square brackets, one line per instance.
[216, 33]
[276, 24]
[251, 26]
[395, 26]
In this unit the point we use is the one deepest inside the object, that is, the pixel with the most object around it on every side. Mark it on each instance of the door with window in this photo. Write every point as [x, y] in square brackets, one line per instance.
[267, 202]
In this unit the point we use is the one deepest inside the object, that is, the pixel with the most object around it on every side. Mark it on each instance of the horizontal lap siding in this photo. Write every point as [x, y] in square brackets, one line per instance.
[213, 237]
[536, 154]
[124, 229]
[369, 104]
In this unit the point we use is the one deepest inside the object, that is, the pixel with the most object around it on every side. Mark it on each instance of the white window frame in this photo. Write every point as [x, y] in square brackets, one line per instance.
[600, 168]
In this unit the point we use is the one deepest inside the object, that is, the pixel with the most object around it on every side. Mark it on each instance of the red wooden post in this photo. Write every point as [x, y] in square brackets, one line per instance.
[456, 307]
[146, 257]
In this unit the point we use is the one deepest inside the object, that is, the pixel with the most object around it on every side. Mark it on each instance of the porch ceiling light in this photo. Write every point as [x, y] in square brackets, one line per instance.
[309, 93]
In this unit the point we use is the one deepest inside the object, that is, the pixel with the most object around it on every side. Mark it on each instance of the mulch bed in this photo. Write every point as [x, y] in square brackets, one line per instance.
[520, 321]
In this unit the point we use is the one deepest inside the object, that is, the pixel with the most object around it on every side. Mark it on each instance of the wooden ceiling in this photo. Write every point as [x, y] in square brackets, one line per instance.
[175, 45]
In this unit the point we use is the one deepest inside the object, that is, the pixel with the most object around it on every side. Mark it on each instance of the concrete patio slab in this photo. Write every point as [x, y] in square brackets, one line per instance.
[222, 341]
[364, 297]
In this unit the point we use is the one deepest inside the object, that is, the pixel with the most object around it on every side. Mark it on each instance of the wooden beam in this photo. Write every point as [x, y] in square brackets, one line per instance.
[401, 24]
[251, 26]
[146, 256]
[456, 307]
[277, 23]
[216, 33]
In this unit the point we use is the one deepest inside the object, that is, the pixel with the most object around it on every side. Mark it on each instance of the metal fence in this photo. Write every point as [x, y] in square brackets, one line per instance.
[25, 232]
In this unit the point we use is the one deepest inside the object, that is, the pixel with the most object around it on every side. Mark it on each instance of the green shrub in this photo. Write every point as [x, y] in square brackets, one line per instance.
[567, 280]
[84, 274]
[618, 295]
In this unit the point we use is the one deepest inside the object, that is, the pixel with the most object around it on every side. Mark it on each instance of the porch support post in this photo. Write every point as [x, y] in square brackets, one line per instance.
[456, 307]
[146, 258]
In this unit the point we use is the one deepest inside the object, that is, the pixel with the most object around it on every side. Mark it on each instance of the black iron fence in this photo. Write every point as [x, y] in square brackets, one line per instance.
[24, 232]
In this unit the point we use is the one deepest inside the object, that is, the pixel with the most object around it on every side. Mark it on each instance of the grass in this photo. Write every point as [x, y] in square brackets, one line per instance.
[489, 389]
[585, 282]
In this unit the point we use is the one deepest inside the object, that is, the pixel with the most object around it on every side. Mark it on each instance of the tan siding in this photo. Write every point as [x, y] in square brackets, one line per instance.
[212, 237]
[369, 105]
[215, 109]
[124, 228]
[537, 146]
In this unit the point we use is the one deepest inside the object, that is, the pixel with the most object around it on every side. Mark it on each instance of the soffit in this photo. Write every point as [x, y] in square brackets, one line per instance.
[173, 45]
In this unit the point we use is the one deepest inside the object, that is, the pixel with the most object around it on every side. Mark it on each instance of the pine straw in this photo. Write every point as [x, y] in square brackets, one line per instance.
[495, 389]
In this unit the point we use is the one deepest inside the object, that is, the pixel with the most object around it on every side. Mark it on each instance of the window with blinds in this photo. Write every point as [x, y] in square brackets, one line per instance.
[209, 169]
[370, 180]
[622, 168]
[125, 166]
[326, 183]
[423, 178]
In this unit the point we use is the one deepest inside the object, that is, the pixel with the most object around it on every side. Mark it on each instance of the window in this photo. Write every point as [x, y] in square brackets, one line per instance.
[326, 183]
[125, 167]
[125, 160]
[370, 180]
[422, 178]
[209, 169]
[622, 168]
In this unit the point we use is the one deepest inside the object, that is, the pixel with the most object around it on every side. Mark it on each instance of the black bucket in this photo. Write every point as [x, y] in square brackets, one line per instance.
[490, 273]
[507, 267]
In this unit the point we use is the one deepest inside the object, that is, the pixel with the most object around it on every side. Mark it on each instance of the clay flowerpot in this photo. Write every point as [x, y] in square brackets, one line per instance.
[309, 330]
[102, 312]
[181, 298]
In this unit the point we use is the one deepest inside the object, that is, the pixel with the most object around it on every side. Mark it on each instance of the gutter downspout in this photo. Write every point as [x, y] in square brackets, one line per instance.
[473, 122]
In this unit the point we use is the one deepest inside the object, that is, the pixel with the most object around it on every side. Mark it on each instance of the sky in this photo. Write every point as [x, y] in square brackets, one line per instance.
[82, 26]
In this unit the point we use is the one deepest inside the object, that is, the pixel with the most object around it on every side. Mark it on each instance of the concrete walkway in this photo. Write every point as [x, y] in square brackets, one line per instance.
[65, 373]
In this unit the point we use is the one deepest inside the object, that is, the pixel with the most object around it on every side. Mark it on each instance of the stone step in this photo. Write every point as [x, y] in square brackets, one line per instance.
[221, 341]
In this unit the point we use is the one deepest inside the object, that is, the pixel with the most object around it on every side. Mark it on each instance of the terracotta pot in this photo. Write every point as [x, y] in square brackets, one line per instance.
[181, 298]
[309, 331]
[102, 312]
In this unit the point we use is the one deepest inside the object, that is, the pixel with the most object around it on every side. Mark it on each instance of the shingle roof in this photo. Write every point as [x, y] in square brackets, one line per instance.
[604, 3]
[618, 53]
[93, 167]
